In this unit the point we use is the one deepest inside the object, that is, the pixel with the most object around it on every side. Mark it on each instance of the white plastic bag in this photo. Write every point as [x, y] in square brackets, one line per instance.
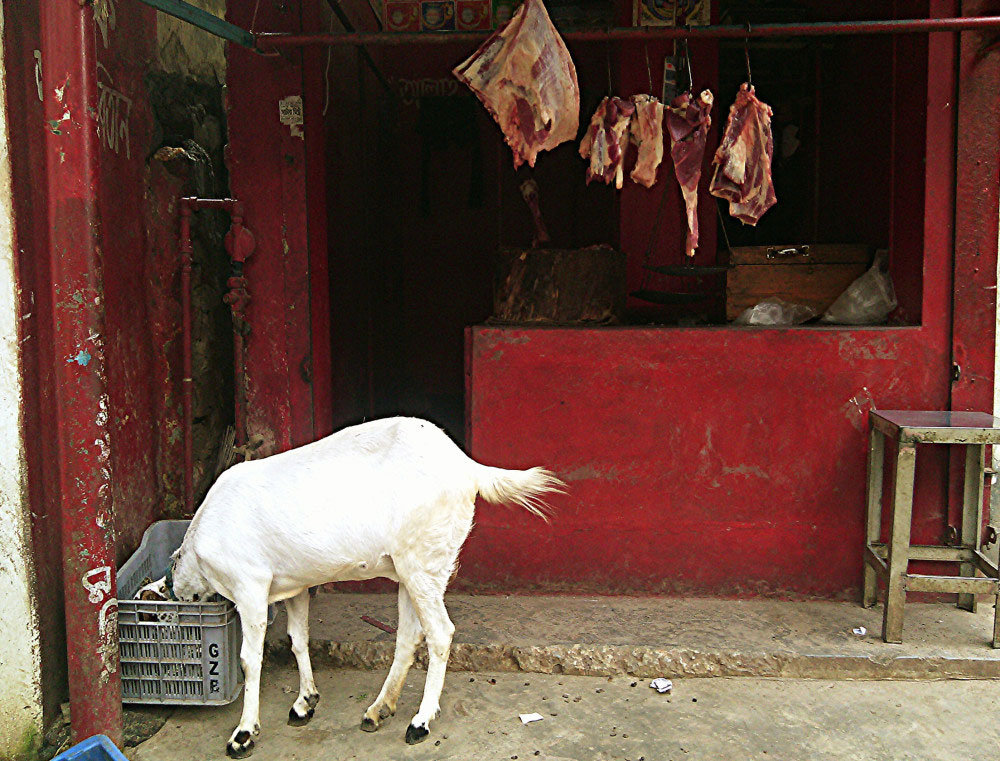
[868, 300]
[776, 312]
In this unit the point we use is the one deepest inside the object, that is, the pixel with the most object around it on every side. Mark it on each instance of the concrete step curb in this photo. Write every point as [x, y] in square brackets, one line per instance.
[646, 662]
[650, 637]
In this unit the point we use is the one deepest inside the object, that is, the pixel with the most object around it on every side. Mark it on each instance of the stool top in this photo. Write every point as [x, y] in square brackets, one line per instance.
[938, 426]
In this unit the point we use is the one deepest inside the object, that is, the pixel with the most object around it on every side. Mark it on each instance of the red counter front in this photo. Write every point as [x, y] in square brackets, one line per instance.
[715, 461]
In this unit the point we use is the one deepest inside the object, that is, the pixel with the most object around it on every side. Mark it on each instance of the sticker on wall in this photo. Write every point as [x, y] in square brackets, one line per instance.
[402, 16]
[290, 113]
[437, 15]
[473, 15]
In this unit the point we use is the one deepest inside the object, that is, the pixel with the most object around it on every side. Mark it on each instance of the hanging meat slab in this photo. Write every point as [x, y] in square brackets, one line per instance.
[606, 139]
[688, 121]
[525, 77]
[743, 160]
[647, 133]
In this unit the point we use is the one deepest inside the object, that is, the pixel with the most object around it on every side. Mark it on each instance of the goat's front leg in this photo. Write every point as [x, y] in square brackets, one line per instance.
[253, 615]
[408, 636]
[304, 706]
[438, 629]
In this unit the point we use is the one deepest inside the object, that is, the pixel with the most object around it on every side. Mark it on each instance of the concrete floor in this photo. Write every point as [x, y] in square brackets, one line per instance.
[585, 664]
[600, 718]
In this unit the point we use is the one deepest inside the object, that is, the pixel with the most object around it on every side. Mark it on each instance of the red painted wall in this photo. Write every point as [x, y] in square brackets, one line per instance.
[700, 461]
[136, 415]
[271, 173]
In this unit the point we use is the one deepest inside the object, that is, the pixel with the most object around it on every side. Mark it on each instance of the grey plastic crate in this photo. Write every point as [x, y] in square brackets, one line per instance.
[174, 653]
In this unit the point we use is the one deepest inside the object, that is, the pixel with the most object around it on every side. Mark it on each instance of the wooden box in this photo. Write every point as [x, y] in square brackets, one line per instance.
[814, 275]
[560, 286]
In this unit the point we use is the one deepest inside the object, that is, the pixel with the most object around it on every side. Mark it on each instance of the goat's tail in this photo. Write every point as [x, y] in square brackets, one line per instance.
[521, 487]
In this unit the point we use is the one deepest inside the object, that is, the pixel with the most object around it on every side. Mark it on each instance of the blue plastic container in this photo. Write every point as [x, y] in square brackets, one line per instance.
[96, 748]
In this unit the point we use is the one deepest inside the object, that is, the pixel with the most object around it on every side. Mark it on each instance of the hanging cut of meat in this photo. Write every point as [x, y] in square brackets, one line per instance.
[647, 132]
[688, 121]
[524, 76]
[606, 139]
[743, 160]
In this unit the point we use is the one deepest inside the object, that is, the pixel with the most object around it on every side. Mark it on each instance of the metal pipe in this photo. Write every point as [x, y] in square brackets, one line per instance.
[80, 392]
[730, 31]
[187, 389]
[203, 20]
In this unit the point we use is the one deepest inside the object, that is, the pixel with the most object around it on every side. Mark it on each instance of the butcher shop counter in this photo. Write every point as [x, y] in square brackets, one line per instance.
[709, 461]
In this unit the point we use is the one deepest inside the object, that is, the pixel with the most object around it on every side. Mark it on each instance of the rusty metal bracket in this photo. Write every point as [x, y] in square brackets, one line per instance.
[991, 536]
[950, 536]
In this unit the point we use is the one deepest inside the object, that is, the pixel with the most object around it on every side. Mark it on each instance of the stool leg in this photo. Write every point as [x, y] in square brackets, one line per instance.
[996, 623]
[876, 460]
[972, 514]
[899, 542]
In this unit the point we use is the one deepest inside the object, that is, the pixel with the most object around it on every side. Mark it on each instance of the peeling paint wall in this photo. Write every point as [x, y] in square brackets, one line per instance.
[184, 49]
[20, 667]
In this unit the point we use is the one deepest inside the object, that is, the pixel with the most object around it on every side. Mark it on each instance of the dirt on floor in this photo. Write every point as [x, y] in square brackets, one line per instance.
[604, 718]
[139, 725]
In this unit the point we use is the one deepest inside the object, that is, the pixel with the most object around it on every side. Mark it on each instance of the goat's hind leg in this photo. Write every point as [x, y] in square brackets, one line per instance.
[408, 636]
[438, 628]
[304, 707]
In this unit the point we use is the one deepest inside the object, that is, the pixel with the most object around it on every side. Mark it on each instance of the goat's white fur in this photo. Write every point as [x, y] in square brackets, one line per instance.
[391, 498]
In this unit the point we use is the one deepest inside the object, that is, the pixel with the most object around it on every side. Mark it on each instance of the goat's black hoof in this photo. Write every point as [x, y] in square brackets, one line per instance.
[240, 746]
[415, 735]
[313, 699]
[368, 725]
[294, 720]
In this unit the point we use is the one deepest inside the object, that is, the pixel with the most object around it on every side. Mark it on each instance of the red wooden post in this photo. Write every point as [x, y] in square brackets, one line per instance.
[70, 98]
[977, 195]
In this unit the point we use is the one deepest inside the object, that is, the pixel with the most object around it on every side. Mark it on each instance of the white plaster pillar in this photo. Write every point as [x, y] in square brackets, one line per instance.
[20, 659]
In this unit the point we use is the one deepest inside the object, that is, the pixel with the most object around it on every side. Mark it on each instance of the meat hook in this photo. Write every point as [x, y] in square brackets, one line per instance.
[746, 53]
[649, 71]
[687, 61]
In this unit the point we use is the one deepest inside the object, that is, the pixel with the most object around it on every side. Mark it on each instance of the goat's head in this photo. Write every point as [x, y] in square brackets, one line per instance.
[184, 581]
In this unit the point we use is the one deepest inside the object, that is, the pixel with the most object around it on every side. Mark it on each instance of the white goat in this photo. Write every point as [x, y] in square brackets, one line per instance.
[391, 498]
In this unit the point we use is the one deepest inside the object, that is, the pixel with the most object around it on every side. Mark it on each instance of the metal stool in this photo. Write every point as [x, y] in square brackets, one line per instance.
[974, 430]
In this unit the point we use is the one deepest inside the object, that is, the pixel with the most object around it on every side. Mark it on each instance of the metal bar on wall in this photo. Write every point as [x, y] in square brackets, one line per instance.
[203, 20]
[730, 31]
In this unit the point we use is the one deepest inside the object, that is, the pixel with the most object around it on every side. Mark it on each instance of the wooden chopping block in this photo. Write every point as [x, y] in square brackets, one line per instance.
[813, 275]
[560, 286]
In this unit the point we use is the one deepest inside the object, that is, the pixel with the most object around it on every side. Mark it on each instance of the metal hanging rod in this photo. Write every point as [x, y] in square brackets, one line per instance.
[730, 31]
